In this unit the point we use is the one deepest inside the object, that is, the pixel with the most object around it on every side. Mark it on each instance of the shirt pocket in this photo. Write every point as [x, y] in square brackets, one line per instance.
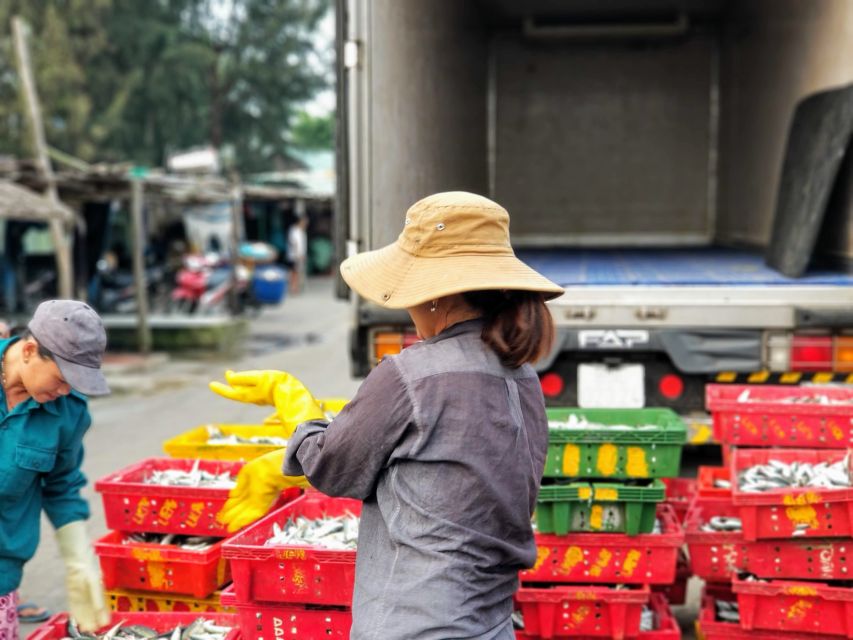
[29, 462]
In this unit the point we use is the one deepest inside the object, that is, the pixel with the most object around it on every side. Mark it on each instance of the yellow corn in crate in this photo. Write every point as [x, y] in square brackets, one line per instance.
[194, 443]
[123, 600]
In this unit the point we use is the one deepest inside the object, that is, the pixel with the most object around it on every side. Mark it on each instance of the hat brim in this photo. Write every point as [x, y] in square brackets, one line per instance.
[396, 279]
[86, 380]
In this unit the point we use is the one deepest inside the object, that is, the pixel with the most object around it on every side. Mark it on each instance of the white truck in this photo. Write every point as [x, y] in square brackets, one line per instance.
[683, 168]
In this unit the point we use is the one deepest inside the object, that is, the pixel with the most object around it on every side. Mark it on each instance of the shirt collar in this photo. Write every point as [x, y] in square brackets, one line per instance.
[30, 403]
[467, 326]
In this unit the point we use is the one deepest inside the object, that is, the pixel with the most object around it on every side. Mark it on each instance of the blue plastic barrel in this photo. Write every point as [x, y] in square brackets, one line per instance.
[269, 284]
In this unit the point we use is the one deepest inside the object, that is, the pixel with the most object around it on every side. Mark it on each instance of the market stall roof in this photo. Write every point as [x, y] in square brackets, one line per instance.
[20, 203]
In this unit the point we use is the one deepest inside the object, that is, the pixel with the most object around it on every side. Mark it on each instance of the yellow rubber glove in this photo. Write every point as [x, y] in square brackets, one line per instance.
[86, 601]
[293, 403]
[259, 484]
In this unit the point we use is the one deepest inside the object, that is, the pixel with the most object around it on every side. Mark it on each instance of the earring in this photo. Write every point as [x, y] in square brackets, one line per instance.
[433, 306]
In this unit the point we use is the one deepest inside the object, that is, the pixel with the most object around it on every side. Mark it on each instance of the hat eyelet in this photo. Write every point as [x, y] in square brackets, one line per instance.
[408, 221]
[440, 226]
[385, 296]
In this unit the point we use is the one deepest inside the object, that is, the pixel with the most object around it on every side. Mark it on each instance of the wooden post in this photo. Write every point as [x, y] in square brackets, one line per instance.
[60, 238]
[139, 241]
[236, 234]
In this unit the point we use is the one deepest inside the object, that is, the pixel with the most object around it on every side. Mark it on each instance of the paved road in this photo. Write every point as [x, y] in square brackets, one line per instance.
[307, 336]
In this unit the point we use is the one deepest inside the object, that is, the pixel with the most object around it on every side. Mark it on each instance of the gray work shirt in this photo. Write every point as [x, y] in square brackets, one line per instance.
[446, 448]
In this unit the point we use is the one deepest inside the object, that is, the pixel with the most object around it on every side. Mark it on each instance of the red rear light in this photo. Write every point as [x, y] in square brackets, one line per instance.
[811, 353]
[671, 386]
[552, 384]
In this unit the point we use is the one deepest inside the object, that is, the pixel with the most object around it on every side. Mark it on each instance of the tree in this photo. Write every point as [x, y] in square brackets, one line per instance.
[313, 132]
[130, 80]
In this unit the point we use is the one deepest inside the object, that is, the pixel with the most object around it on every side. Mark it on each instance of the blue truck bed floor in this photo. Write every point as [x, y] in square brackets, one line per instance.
[666, 266]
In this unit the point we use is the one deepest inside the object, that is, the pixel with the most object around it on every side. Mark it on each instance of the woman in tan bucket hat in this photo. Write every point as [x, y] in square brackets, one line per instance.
[445, 443]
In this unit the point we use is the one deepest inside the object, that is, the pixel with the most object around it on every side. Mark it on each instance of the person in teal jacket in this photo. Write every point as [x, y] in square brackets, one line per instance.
[46, 374]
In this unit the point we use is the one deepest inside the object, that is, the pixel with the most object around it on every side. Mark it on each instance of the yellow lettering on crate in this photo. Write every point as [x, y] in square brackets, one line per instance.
[542, 554]
[636, 465]
[571, 460]
[584, 493]
[805, 430]
[750, 426]
[573, 557]
[727, 376]
[596, 517]
[298, 579]
[604, 557]
[166, 511]
[836, 431]
[156, 575]
[608, 456]
[144, 555]
[701, 433]
[196, 509]
[791, 377]
[799, 610]
[823, 377]
[777, 428]
[607, 494]
[290, 554]
[585, 595]
[580, 614]
[799, 510]
[800, 590]
[143, 508]
[629, 565]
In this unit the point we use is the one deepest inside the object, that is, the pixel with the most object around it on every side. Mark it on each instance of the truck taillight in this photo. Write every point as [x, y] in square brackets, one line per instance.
[811, 353]
[389, 343]
[843, 356]
[552, 384]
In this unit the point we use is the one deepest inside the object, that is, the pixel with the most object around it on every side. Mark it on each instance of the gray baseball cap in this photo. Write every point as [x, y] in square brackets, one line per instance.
[74, 334]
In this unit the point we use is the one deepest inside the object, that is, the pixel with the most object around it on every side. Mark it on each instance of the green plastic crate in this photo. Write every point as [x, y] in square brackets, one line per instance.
[598, 507]
[621, 454]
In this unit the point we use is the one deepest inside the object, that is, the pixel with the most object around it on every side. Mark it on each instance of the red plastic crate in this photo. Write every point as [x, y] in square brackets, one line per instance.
[131, 505]
[805, 607]
[709, 628]
[280, 620]
[717, 556]
[55, 628]
[706, 478]
[680, 493]
[768, 421]
[569, 611]
[826, 513]
[676, 592]
[667, 625]
[648, 558]
[164, 568]
[305, 575]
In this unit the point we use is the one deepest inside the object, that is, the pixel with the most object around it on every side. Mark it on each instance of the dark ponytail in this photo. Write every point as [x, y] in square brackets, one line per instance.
[518, 325]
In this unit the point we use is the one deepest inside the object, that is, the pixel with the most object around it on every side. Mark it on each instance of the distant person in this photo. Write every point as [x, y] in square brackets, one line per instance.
[297, 252]
[44, 373]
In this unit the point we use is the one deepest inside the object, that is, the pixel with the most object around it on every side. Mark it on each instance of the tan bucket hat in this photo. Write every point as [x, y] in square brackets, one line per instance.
[451, 242]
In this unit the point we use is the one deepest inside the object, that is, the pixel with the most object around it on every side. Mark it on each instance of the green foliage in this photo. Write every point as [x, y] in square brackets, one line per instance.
[131, 80]
[313, 132]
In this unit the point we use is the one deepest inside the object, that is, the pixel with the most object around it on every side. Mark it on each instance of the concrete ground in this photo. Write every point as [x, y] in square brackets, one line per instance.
[154, 401]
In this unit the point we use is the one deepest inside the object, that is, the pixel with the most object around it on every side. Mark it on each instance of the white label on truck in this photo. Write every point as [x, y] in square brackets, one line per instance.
[612, 339]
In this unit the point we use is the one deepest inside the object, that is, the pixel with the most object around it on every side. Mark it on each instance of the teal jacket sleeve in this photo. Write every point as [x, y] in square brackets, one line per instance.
[61, 487]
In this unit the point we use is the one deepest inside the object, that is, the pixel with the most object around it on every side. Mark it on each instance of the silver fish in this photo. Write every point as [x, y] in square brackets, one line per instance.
[575, 421]
[200, 629]
[722, 523]
[195, 477]
[648, 620]
[190, 543]
[780, 475]
[216, 436]
[340, 532]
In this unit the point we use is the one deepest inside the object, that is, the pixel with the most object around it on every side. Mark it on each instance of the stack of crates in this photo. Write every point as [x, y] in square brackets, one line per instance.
[140, 576]
[780, 568]
[604, 538]
[294, 590]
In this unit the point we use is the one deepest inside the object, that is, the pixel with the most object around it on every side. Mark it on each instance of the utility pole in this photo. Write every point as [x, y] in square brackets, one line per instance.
[25, 72]
[136, 206]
